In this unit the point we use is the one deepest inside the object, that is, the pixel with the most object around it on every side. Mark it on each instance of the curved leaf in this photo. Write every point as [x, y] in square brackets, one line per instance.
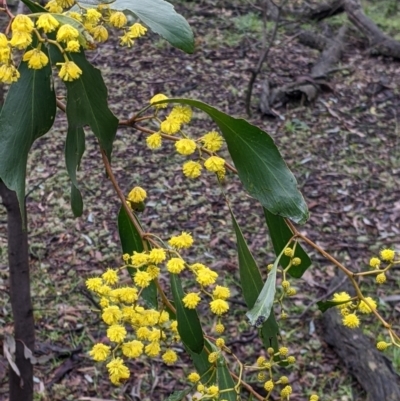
[161, 17]
[224, 381]
[74, 149]
[260, 166]
[130, 242]
[252, 284]
[323, 306]
[27, 114]
[280, 235]
[189, 326]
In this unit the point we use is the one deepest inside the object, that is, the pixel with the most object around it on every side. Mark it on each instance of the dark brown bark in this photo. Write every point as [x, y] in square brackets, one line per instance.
[326, 10]
[380, 44]
[359, 355]
[307, 87]
[21, 387]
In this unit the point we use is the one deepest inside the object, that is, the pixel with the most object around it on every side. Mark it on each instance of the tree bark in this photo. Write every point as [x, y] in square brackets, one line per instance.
[21, 386]
[380, 44]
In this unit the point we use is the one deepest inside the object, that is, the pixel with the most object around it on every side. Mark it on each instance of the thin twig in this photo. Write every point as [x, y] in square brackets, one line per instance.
[263, 57]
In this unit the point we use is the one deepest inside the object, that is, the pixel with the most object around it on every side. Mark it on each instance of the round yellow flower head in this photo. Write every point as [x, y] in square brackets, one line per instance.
[213, 391]
[212, 357]
[154, 141]
[219, 328]
[158, 98]
[182, 113]
[5, 54]
[139, 259]
[116, 333]
[153, 349]
[191, 300]
[351, 320]
[110, 277]
[117, 371]
[154, 271]
[36, 59]
[284, 380]
[380, 278]
[290, 292]
[260, 361]
[221, 292]
[169, 357]
[387, 255]
[269, 385]
[219, 306]
[382, 345]
[364, 308]
[183, 241]
[137, 30]
[93, 16]
[192, 169]
[47, 22]
[132, 349]
[93, 284]
[73, 46]
[69, 71]
[296, 261]
[137, 195]
[288, 252]
[291, 360]
[66, 33]
[65, 3]
[126, 40]
[75, 16]
[212, 141]
[283, 351]
[285, 284]
[375, 263]
[157, 255]
[3, 40]
[53, 7]
[314, 397]
[193, 377]
[111, 315]
[20, 40]
[100, 352]
[118, 19]
[100, 34]
[215, 164]
[175, 265]
[286, 391]
[170, 126]
[185, 146]
[341, 297]
[220, 342]
[22, 23]
[142, 279]
[206, 276]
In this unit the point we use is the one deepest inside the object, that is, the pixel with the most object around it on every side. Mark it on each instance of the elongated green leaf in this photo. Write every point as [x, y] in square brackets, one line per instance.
[74, 149]
[224, 381]
[130, 242]
[280, 235]
[265, 301]
[204, 368]
[34, 7]
[27, 114]
[179, 395]
[189, 326]
[260, 166]
[323, 306]
[161, 17]
[252, 284]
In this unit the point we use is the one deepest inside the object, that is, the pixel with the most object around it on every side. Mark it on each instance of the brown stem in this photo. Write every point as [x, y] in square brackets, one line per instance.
[120, 194]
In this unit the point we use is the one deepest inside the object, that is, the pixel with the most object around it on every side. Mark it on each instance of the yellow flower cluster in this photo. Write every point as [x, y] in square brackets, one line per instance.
[386, 255]
[265, 372]
[210, 143]
[86, 25]
[133, 330]
[349, 308]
